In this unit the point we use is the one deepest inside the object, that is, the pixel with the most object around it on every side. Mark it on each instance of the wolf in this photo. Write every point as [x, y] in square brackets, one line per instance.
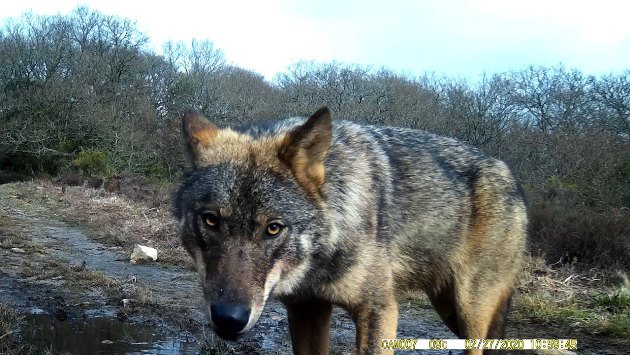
[320, 213]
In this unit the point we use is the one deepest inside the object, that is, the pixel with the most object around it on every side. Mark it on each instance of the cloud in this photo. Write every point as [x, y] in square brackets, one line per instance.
[460, 37]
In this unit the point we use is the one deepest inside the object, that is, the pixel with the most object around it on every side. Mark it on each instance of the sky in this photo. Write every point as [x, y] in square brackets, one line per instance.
[458, 38]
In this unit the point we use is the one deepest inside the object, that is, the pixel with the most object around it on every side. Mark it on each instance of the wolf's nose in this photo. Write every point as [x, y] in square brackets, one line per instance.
[230, 317]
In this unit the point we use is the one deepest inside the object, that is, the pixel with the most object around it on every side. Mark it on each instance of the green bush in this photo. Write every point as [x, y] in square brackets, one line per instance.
[156, 172]
[618, 299]
[92, 162]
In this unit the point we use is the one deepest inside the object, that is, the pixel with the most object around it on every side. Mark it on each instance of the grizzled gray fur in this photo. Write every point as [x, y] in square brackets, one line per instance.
[321, 213]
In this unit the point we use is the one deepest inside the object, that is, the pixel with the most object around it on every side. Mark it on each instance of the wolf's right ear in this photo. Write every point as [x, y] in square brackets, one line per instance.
[198, 133]
[306, 147]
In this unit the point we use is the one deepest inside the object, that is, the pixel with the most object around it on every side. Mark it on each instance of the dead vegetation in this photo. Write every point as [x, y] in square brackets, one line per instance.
[113, 220]
[583, 237]
[592, 305]
[567, 300]
[136, 214]
[10, 323]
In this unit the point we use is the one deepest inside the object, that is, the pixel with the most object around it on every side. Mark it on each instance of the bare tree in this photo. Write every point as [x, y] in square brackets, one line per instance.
[613, 93]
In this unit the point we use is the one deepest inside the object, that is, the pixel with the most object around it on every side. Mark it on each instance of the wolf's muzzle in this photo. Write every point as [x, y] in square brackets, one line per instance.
[229, 318]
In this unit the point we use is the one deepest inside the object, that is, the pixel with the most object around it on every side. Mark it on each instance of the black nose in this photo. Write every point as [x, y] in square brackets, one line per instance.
[229, 317]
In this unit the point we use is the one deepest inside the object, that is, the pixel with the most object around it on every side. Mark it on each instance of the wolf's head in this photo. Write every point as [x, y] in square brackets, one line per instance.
[250, 211]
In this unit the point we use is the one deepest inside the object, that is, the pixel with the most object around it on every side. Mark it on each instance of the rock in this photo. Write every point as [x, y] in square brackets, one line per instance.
[143, 254]
[18, 250]
[37, 311]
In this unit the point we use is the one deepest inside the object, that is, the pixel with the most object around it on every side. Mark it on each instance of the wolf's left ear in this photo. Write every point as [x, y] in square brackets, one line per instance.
[306, 147]
[198, 133]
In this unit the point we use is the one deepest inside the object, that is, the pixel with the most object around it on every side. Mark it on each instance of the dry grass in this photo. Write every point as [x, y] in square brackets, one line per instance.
[12, 237]
[9, 322]
[594, 302]
[76, 275]
[116, 219]
[111, 219]
[577, 280]
[78, 278]
[10, 326]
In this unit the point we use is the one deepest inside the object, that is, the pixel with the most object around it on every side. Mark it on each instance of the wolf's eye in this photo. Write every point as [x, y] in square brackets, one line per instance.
[210, 219]
[274, 229]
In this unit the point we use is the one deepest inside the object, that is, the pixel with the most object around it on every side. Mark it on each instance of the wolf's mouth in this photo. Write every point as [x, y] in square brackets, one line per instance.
[228, 335]
[231, 320]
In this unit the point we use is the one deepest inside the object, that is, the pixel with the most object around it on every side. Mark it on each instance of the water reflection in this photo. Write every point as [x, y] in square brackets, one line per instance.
[102, 336]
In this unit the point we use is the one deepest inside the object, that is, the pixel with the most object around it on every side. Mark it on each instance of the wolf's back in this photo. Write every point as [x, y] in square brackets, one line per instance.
[441, 206]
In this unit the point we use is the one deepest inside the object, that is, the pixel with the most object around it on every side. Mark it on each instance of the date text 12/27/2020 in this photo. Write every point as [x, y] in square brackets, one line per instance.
[484, 344]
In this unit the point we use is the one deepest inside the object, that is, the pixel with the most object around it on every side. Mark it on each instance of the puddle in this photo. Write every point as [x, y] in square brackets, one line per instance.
[102, 336]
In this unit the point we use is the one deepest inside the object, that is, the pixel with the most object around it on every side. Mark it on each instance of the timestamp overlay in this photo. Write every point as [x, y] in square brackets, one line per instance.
[483, 344]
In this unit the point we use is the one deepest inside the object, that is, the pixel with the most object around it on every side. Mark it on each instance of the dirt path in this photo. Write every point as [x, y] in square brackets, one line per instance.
[63, 276]
[71, 283]
[173, 285]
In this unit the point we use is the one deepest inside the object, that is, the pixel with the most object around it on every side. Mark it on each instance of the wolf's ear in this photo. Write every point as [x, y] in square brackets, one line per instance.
[305, 148]
[198, 133]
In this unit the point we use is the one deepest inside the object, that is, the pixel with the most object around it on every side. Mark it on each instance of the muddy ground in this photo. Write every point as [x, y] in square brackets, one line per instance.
[81, 295]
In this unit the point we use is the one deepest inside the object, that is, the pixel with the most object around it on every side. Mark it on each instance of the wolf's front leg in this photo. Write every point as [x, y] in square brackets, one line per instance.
[375, 320]
[309, 324]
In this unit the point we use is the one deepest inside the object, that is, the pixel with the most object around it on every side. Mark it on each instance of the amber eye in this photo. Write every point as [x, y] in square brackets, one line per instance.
[274, 229]
[210, 219]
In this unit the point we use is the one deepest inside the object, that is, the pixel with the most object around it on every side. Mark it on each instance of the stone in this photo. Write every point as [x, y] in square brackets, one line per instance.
[142, 254]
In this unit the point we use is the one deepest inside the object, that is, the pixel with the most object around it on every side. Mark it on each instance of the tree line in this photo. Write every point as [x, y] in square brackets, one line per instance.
[84, 91]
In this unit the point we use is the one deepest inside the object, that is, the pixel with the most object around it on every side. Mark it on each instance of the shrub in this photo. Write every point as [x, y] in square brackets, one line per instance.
[156, 172]
[71, 178]
[576, 234]
[619, 298]
[92, 162]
